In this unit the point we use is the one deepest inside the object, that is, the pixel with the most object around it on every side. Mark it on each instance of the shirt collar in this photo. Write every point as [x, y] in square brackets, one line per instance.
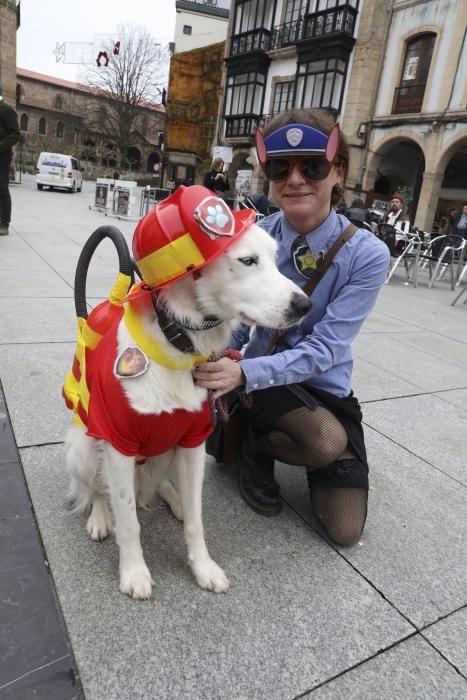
[321, 238]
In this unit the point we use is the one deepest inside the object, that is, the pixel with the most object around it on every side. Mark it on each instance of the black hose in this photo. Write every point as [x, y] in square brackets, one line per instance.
[124, 260]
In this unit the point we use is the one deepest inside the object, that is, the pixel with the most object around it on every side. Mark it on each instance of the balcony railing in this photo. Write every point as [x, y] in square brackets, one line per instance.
[243, 125]
[336, 20]
[332, 21]
[255, 40]
[408, 99]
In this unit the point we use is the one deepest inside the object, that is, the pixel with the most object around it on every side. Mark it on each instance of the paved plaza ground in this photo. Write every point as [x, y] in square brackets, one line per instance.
[384, 619]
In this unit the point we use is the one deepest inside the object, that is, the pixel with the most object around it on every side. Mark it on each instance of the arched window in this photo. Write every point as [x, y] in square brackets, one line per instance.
[415, 69]
[42, 125]
[59, 102]
[23, 122]
[59, 131]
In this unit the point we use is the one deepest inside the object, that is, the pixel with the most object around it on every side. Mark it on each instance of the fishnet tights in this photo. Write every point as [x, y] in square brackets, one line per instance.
[342, 512]
[311, 438]
[315, 439]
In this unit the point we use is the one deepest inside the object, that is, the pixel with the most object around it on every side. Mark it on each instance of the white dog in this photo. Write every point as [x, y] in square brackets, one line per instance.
[241, 284]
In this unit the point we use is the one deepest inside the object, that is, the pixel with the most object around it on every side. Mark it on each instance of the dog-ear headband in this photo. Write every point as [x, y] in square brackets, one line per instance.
[297, 140]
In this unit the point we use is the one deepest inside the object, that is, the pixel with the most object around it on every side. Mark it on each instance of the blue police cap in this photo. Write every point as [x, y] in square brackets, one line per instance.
[295, 139]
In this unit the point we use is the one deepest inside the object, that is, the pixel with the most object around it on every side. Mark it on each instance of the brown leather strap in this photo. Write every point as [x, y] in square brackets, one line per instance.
[325, 263]
[322, 267]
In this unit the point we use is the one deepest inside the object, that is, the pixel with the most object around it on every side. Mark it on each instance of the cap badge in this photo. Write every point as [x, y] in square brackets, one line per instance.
[294, 136]
[215, 218]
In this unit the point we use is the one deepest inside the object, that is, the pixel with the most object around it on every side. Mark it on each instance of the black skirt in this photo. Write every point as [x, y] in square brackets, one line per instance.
[271, 404]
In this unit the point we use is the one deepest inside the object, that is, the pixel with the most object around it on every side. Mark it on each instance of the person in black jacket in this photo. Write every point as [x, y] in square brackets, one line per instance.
[9, 136]
[357, 213]
[215, 179]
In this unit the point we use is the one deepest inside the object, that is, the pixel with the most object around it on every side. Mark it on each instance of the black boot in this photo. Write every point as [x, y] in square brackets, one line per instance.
[256, 482]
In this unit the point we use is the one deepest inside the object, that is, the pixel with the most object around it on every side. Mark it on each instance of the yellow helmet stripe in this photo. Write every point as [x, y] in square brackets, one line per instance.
[171, 261]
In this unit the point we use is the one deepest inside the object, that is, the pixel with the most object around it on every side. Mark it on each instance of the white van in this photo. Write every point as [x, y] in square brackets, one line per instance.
[58, 170]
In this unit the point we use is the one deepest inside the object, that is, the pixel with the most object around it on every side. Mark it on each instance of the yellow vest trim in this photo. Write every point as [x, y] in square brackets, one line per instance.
[153, 348]
[172, 260]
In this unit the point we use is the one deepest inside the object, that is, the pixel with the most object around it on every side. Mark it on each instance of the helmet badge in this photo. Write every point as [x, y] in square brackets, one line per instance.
[215, 217]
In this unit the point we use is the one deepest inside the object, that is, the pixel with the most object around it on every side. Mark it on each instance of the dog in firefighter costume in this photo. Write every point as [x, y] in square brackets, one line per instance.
[204, 268]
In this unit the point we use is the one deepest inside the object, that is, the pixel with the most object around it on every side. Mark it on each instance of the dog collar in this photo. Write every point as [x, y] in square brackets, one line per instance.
[152, 348]
[175, 330]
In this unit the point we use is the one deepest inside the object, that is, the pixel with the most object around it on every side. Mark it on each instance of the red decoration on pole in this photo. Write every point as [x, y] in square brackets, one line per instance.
[116, 48]
[102, 55]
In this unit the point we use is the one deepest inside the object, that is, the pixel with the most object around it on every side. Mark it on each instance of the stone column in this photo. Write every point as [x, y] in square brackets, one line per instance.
[428, 200]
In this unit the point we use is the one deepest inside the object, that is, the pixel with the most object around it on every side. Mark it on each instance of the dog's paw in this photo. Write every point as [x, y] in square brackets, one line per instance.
[99, 524]
[136, 582]
[210, 576]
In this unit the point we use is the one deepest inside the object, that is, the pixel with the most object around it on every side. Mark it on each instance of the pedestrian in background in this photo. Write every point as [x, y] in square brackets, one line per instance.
[216, 179]
[9, 136]
[396, 212]
[357, 213]
[459, 223]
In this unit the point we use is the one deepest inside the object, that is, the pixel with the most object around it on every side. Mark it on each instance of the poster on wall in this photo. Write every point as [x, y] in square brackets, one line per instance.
[101, 196]
[123, 201]
[243, 182]
[224, 152]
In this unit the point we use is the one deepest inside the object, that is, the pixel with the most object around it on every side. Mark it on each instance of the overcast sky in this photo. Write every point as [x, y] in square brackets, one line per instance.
[44, 23]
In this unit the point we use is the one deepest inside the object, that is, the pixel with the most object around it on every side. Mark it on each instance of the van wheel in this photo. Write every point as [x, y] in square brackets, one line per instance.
[78, 189]
[39, 187]
[73, 187]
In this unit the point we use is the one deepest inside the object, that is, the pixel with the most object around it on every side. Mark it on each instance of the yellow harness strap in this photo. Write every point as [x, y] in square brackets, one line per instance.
[152, 348]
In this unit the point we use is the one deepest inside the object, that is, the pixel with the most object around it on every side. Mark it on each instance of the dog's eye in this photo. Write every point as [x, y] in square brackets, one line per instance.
[249, 261]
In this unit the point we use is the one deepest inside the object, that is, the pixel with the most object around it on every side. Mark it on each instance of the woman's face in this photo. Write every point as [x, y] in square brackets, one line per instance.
[219, 167]
[306, 203]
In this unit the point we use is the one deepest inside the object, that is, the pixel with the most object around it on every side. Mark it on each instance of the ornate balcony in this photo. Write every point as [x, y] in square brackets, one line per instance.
[255, 40]
[408, 99]
[337, 20]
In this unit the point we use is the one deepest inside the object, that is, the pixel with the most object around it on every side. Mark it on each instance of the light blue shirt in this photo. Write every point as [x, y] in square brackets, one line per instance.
[317, 352]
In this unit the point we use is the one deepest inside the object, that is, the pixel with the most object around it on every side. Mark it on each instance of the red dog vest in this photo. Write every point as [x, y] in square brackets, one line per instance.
[110, 416]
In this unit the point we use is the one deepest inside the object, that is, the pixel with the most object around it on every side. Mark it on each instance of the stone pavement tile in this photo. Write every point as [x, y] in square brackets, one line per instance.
[412, 669]
[371, 383]
[17, 256]
[8, 451]
[427, 426]
[32, 377]
[46, 284]
[413, 546]
[458, 397]
[381, 323]
[55, 681]
[295, 615]
[449, 636]
[99, 282]
[38, 321]
[433, 313]
[13, 494]
[30, 633]
[419, 368]
[438, 346]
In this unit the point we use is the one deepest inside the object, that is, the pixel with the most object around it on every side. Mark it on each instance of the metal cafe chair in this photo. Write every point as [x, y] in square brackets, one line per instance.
[442, 254]
[404, 247]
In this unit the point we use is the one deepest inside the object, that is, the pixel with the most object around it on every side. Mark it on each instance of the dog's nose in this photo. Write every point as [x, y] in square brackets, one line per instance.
[299, 305]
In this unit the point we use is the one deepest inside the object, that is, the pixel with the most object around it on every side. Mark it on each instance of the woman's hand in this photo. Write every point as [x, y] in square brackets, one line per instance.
[221, 376]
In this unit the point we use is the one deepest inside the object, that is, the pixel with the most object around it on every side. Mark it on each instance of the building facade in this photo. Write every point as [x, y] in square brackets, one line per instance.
[54, 114]
[410, 130]
[194, 95]
[9, 23]
[200, 23]
[282, 54]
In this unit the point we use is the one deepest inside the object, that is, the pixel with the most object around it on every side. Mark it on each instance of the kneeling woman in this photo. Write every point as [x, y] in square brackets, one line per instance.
[303, 411]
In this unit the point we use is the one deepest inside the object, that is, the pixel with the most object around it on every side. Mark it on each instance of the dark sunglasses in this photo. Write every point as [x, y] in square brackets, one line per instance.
[279, 169]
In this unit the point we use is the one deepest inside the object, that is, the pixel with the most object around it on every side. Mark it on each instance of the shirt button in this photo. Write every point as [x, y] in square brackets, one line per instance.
[255, 386]
[271, 381]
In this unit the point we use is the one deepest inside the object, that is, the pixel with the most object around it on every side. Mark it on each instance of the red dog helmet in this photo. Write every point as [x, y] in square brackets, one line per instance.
[184, 232]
